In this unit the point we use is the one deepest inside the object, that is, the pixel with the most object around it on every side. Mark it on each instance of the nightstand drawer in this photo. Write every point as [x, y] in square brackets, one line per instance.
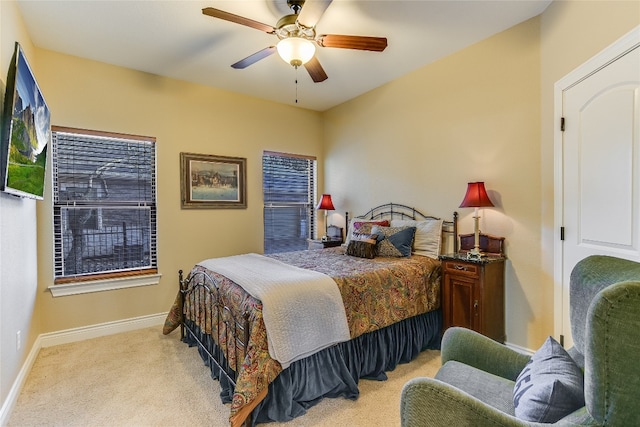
[468, 269]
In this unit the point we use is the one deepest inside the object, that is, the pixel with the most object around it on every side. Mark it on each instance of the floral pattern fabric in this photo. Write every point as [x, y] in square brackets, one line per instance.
[376, 293]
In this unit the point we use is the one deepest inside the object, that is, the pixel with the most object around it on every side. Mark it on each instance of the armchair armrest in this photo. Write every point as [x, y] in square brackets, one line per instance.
[474, 349]
[427, 402]
[611, 369]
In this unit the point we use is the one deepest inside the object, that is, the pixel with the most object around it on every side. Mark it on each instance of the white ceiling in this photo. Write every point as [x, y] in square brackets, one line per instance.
[174, 39]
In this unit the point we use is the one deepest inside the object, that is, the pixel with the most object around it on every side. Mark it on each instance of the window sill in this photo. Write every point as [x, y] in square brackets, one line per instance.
[67, 289]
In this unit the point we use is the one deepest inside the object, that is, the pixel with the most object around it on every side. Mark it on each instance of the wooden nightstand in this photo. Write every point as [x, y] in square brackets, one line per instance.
[473, 294]
[319, 244]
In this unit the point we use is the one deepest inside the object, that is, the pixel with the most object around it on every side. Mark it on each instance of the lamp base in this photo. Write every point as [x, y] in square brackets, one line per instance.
[475, 252]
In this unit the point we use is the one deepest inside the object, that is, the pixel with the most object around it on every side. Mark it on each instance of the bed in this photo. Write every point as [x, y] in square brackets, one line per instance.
[391, 310]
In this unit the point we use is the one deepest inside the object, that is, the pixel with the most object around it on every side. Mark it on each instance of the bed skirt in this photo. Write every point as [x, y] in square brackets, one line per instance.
[335, 371]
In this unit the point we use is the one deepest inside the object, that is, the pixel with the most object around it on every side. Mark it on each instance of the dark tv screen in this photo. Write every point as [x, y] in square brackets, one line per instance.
[26, 132]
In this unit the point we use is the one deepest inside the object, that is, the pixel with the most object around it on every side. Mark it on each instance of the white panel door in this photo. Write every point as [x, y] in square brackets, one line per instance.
[601, 168]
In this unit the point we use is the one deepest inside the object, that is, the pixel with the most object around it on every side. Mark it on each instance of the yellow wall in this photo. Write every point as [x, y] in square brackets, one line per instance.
[183, 117]
[472, 116]
[484, 113]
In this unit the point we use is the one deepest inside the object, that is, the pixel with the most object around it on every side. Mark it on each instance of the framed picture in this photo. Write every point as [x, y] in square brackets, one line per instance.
[213, 182]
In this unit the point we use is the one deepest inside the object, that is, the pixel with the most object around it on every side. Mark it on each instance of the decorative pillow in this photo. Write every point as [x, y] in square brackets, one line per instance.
[363, 245]
[394, 241]
[174, 317]
[428, 238]
[550, 387]
[363, 226]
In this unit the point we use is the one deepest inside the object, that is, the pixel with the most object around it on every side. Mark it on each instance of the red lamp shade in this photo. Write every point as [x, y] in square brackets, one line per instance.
[326, 203]
[476, 196]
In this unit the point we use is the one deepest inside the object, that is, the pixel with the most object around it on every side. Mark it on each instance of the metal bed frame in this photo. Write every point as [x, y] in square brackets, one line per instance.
[236, 325]
[399, 211]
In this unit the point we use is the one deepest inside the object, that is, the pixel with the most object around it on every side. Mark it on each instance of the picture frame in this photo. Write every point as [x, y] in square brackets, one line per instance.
[212, 182]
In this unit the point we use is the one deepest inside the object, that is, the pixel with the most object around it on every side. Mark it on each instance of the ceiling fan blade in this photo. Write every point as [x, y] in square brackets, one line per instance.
[312, 11]
[315, 70]
[377, 44]
[251, 59]
[221, 14]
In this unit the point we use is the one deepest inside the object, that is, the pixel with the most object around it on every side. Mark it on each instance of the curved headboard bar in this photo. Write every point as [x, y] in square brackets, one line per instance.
[396, 211]
[400, 211]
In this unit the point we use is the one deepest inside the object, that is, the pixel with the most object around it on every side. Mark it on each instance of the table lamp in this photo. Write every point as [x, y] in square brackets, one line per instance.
[476, 197]
[326, 204]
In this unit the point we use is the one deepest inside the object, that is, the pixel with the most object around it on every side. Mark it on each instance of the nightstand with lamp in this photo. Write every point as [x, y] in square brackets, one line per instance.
[332, 234]
[473, 278]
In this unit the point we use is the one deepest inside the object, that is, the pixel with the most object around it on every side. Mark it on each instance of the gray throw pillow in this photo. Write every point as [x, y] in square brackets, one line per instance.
[550, 387]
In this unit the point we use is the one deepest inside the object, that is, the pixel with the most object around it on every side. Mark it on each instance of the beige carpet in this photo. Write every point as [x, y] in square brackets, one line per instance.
[144, 378]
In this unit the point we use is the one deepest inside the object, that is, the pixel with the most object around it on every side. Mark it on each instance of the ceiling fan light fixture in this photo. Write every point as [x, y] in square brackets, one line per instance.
[296, 50]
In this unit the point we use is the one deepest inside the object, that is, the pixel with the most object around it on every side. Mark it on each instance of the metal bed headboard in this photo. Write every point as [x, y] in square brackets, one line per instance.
[400, 211]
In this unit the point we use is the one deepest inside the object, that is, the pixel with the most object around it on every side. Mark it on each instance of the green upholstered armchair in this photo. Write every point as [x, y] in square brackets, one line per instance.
[474, 386]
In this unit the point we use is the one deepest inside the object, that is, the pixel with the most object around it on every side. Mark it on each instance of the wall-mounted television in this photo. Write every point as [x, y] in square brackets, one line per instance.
[26, 132]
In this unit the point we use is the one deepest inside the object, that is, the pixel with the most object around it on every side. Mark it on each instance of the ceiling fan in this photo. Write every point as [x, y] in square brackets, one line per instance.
[297, 36]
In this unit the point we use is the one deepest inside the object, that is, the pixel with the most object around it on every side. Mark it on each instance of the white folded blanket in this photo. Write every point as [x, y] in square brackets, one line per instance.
[302, 309]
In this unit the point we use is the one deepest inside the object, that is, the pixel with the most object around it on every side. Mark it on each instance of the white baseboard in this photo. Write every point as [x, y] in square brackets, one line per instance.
[87, 332]
[68, 336]
[12, 397]
[519, 349]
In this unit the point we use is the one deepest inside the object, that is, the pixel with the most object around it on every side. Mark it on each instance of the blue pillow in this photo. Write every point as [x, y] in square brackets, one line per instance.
[550, 387]
[394, 241]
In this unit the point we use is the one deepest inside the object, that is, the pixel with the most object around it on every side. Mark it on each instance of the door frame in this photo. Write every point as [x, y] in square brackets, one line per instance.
[610, 54]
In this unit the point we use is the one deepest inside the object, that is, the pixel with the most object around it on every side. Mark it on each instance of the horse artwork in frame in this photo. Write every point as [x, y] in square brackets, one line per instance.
[212, 182]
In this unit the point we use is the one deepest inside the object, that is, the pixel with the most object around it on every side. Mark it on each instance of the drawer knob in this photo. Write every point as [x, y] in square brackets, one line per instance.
[460, 267]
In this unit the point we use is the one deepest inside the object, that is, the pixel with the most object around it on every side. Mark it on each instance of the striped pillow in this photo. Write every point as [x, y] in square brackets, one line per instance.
[362, 245]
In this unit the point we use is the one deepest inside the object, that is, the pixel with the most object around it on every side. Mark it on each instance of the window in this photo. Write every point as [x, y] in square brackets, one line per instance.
[104, 205]
[288, 183]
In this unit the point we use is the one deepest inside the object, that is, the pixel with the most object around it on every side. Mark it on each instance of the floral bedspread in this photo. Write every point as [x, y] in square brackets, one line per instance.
[376, 293]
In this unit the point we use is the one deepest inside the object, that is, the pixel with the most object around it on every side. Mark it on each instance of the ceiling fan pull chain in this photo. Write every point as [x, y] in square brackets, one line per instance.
[296, 84]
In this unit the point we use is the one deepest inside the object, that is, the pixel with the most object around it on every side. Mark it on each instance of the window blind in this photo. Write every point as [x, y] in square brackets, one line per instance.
[289, 192]
[104, 205]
